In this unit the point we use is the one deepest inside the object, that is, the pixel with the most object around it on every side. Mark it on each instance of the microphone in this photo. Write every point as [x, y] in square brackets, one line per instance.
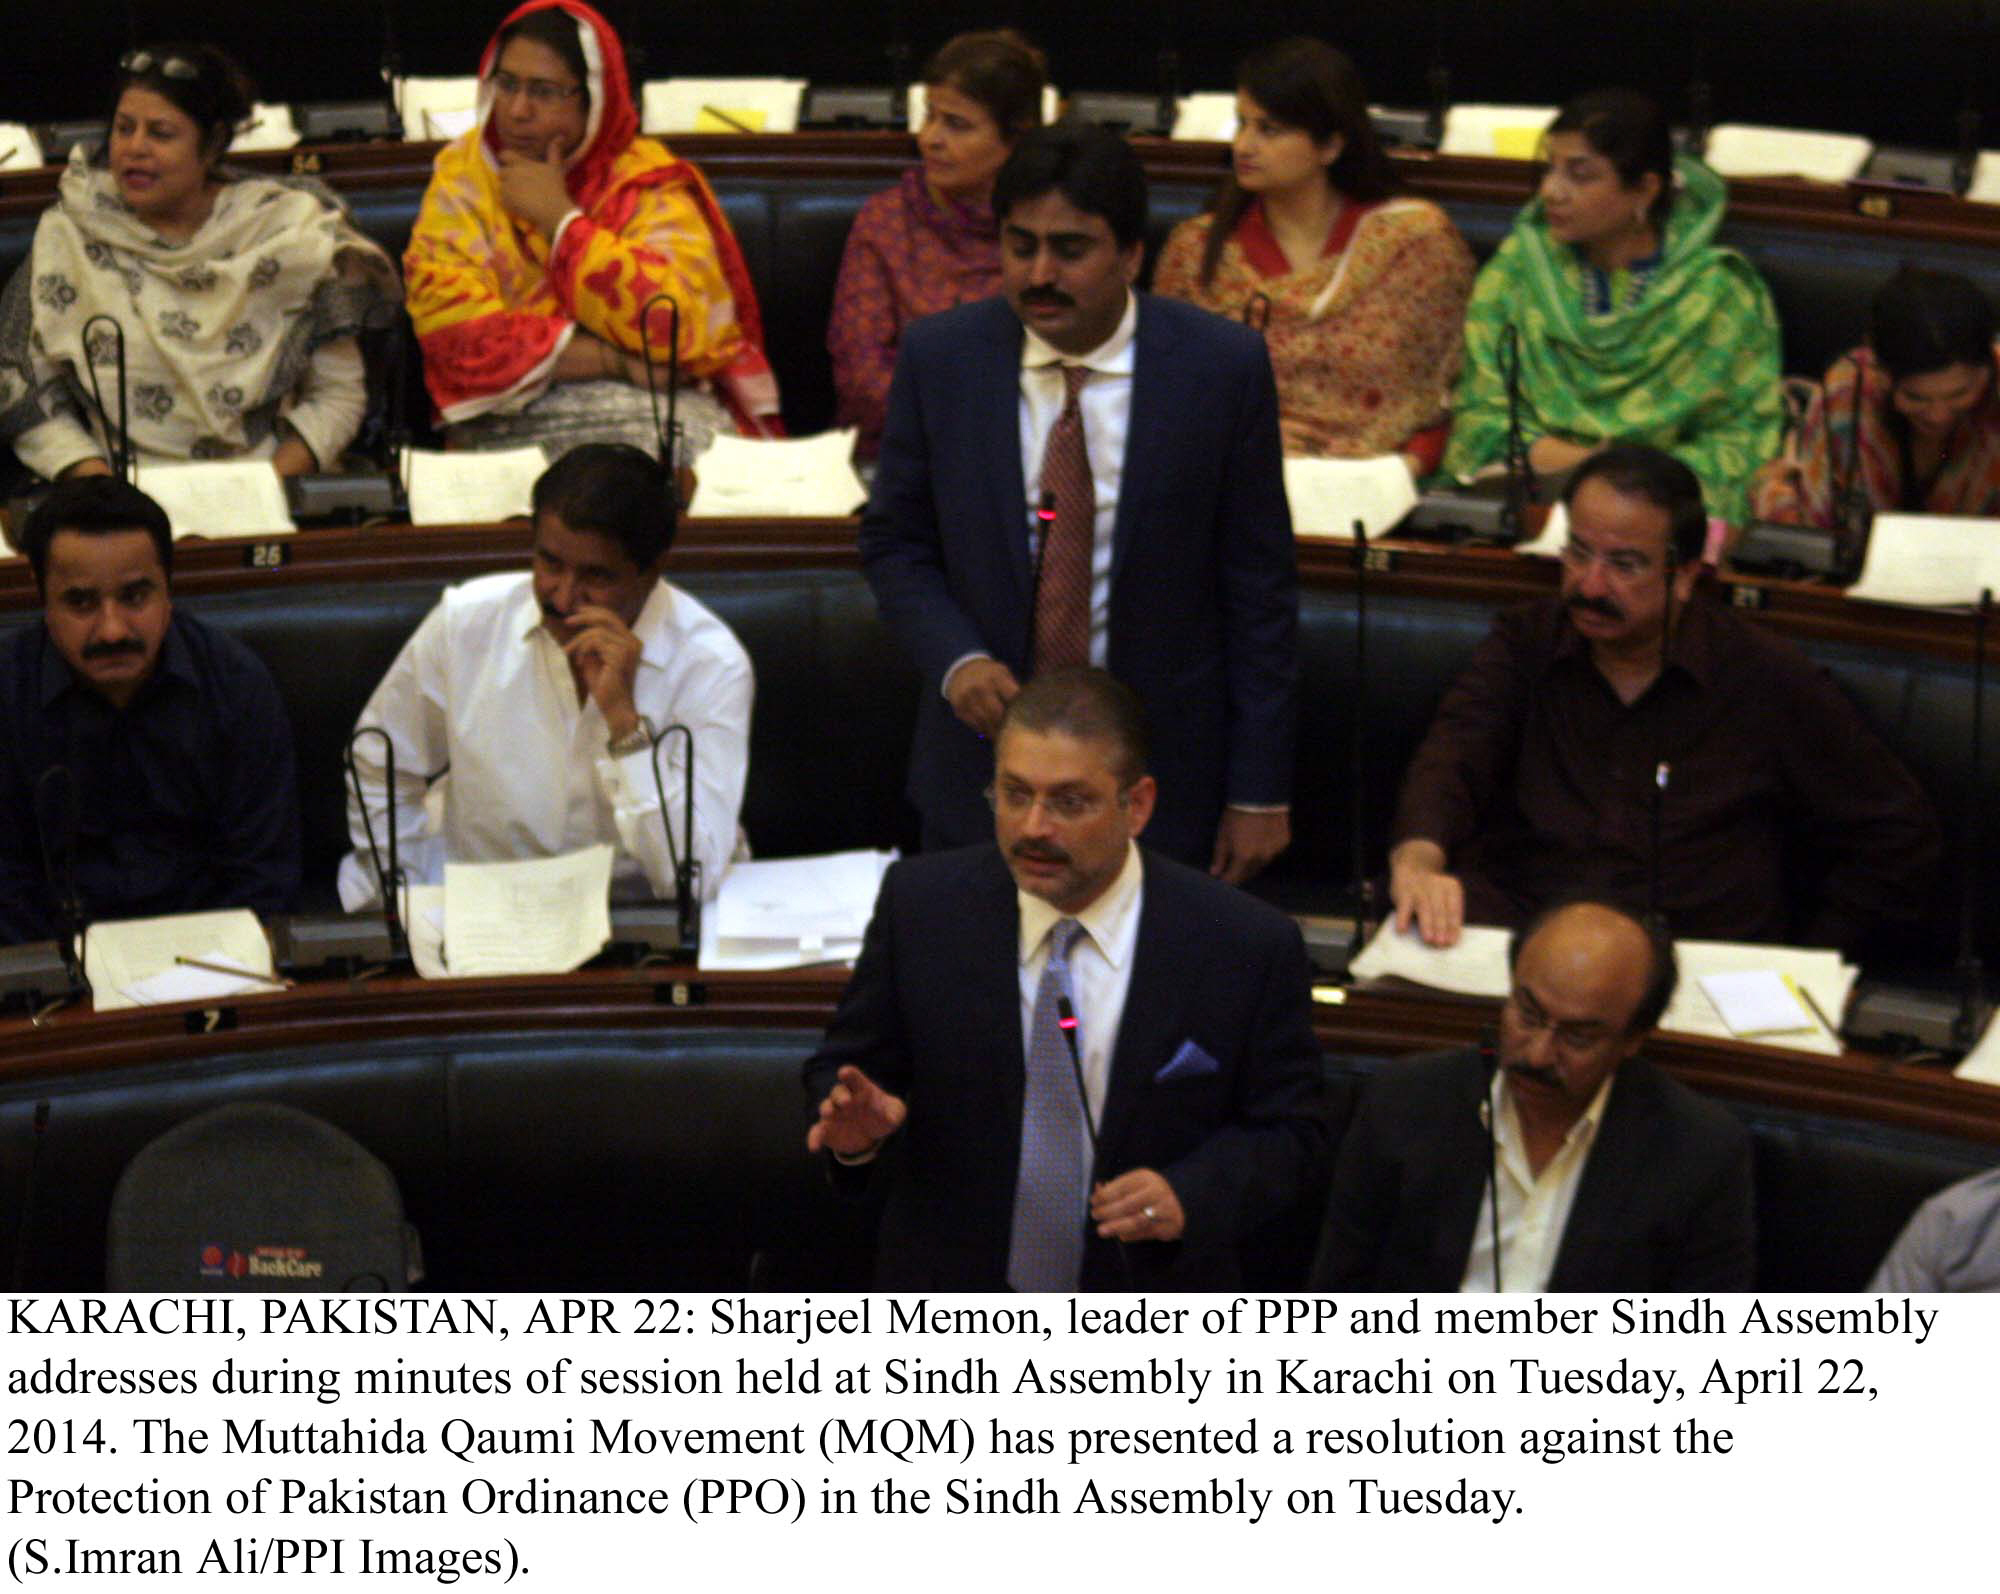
[1966, 159]
[62, 882]
[1520, 484]
[329, 494]
[391, 879]
[23, 1225]
[1489, 1057]
[1169, 66]
[1038, 547]
[1653, 913]
[669, 434]
[392, 68]
[1364, 884]
[1066, 1022]
[1851, 505]
[118, 443]
[1438, 82]
[686, 866]
[1701, 115]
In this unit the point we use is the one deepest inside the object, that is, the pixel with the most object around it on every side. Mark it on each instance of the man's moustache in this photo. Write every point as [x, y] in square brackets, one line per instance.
[1046, 296]
[1036, 854]
[1603, 606]
[1541, 1076]
[113, 650]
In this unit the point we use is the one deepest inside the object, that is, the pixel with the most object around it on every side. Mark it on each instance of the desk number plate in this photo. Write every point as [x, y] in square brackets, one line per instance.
[267, 556]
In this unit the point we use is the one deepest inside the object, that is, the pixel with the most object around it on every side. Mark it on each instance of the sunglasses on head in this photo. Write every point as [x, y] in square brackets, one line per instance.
[173, 66]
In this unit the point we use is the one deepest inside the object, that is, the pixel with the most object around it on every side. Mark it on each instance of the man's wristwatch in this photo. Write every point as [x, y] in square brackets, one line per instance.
[636, 740]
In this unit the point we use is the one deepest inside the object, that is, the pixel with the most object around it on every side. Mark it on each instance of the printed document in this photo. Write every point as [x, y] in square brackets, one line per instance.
[765, 477]
[219, 498]
[536, 916]
[464, 487]
[1329, 495]
[130, 962]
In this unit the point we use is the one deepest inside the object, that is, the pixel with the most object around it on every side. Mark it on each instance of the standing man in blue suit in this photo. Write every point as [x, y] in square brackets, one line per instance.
[1079, 474]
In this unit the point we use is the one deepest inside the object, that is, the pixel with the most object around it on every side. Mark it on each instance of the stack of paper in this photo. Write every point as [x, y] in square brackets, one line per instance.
[1982, 1063]
[1208, 117]
[535, 916]
[1986, 178]
[913, 107]
[786, 913]
[1737, 149]
[1553, 539]
[270, 127]
[1930, 561]
[436, 107]
[1710, 966]
[470, 488]
[18, 150]
[219, 498]
[722, 105]
[132, 962]
[1513, 132]
[1329, 495]
[769, 477]
[1475, 966]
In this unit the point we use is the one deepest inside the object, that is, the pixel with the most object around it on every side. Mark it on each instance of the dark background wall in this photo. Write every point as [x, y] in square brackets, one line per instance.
[1897, 70]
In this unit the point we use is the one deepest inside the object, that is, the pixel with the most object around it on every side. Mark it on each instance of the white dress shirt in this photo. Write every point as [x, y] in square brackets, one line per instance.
[482, 690]
[1534, 1209]
[1100, 973]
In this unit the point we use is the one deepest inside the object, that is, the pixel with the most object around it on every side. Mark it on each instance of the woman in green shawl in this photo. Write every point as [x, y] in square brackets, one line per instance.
[1633, 324]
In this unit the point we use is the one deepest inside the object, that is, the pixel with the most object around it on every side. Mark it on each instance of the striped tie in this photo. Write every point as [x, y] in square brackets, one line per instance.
[1052, 1189]
[1062, 585]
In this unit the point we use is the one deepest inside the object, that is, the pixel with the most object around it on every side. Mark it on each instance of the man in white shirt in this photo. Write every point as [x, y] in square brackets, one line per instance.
[1082, 1065]
[1609, 1176]
[541, 695]
[1077, 474]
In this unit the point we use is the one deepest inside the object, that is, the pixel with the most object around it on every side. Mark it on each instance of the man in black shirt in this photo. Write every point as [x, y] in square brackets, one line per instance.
[166, 740]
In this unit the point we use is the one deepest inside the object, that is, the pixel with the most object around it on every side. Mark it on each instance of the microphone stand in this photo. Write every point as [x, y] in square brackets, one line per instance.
[685, 865]
[669, 434]
[1514, 513]
[1972, 1006]
[62, 884]
[1489, 1057]
[1364, 884]
[1066, 1022]
[119, 443]
[1852, 506]
[391, 880]
[1655, 914]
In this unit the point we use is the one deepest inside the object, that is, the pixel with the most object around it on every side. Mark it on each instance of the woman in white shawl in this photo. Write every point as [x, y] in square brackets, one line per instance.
[239, 297]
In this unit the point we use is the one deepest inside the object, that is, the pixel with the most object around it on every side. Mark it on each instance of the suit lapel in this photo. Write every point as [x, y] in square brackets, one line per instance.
[1598, 1217]
[1152, 1024]
[1149, 431]
[993, 994]
[1463, 1144]
[997, 390]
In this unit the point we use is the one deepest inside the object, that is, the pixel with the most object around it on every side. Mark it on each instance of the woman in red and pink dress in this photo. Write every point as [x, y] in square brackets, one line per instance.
[931, 242]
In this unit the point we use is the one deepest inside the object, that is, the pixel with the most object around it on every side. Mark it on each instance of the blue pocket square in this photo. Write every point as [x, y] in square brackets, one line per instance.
[1190, 1062]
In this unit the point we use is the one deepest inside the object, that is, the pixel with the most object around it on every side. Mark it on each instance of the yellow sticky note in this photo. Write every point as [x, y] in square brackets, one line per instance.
[728, 119]
[1517, 143]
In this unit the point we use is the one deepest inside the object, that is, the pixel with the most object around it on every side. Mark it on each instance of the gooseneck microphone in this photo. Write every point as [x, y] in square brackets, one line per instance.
[60, 817]
[1489, 1057]
[1970, 1021]
[1066, 1022]
[390, 880]
[668, 433]
[1364, 882]
[1851, 507]
[118, 441]
[1520, 487]
[685, 865]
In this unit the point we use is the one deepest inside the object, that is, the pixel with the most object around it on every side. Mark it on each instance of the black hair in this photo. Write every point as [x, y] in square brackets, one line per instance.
[93, 505]
[1922, 321]
[1629, 130]
[554, 29]
[1309, 85]
[998, 68]
[199, 81]
[1092, 167]
[613, 490]
[1662, 971]
[1088, 704]
[1638, 470]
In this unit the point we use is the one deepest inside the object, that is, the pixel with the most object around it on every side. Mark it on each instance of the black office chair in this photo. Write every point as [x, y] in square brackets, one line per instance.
[256, 1197]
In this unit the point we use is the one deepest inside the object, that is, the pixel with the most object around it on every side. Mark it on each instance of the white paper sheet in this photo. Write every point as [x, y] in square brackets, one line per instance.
[1755, 1004]
[1207, 117]
[535, 916]
[1739, 149]
[1554, 536]
[768, 477]
[418, 98]
[1475, 966]
[1513, 132]
[180, 983]
[270, 127]
[1328, 495]
[808, 903]
[720, 952]
[1930, 561]
[1986, 178]
[124, 956]
[219, 498]
[690, 104]
[19, 152]
[1982, 1063]
[468, 488]
[1819, 972]
[913, 105]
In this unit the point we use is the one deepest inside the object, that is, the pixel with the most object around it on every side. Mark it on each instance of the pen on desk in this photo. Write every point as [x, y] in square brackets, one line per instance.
[726, 119]
[9, 153]
[1817, 1011]
[241, 974]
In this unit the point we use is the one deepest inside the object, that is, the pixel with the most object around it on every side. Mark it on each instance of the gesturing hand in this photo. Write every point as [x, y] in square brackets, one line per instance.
[856, 1117]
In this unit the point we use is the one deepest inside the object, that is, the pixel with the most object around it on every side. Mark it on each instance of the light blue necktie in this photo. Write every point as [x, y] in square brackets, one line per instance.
[1052, 1190]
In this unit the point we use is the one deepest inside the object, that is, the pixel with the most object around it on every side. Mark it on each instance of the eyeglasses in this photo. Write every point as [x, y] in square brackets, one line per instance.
[1620, 561]
[1065, 807]
[173, 66]
[540, 90]
[1576, 1036]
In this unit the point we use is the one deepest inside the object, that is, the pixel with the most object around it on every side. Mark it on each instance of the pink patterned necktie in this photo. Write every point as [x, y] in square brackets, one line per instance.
[1062, 584]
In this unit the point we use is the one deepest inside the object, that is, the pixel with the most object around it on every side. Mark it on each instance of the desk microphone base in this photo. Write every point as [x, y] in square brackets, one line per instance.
[32, 975]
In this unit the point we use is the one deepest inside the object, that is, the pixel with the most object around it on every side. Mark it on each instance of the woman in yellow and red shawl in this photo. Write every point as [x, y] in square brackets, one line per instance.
[543, 235]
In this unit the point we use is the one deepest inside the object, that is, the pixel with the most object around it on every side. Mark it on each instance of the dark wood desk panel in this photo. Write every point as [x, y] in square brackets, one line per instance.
[1363, 1021]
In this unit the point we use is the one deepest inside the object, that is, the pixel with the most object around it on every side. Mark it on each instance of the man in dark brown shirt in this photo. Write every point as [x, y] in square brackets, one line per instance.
[1564, 742]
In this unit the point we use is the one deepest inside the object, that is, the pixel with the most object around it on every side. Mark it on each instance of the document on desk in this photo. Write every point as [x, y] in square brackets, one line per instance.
[1475, 966]
[1930, 561]
[466, 487]
[423, 927]
[784, 913]
[1814, 972]
[19, 151]
[1985, 187]
[1553, 539]
[1982, 1063]
[769, 477]
[536, 916]
[130, 962]
[219, 498]
[1739, 149]
[1328, 495]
